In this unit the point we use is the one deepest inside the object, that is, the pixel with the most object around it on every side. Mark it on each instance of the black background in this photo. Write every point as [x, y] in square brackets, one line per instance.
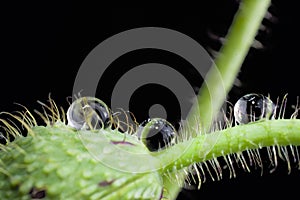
[43, 45]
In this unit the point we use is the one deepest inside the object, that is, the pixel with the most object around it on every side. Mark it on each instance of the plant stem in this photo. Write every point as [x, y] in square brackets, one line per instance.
[220, 78]
[255, 135]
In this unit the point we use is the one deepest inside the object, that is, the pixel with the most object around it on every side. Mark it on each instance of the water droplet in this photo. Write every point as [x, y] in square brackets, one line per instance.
[88, 113]
[156, 133]
[253, 107]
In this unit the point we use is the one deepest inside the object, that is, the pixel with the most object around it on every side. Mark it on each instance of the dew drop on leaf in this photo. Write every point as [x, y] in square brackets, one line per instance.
[88, 113]
[253, 107]
[156, 133]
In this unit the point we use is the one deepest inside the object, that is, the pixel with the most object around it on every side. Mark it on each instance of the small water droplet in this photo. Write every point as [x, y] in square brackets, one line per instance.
[156, 133]
[253, 107]
[88, 113]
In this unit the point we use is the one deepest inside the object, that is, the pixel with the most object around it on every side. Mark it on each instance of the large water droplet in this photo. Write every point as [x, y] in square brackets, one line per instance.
[156, 133]
[88, 113]
[253, 107]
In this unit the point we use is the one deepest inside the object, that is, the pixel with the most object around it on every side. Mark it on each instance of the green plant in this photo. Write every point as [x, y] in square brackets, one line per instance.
[23, 159]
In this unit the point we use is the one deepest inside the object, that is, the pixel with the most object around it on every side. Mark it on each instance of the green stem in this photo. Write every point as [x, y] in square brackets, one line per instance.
[220, 78]
[255, 135]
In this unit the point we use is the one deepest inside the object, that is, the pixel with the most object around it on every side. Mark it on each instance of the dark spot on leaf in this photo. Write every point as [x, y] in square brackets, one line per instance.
[122, 142]
[36, 193]
[161, 194]
[105, 183]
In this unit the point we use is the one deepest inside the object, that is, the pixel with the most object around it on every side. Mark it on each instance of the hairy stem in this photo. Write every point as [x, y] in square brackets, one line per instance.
[220, 78]
[255, 135]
